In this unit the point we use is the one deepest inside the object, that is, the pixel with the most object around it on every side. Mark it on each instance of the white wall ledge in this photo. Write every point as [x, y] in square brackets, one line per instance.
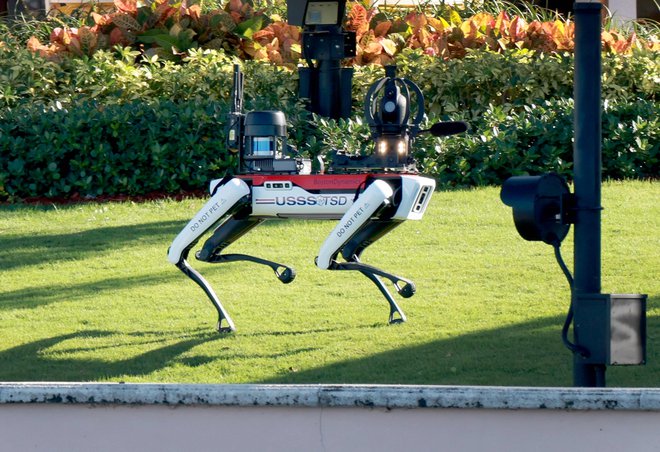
[320, 396]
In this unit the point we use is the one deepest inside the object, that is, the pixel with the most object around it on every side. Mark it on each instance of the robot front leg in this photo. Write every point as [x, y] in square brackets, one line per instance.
[229, 207]
[359, 228]
[351, 252]
[193, 274]
[228, 197]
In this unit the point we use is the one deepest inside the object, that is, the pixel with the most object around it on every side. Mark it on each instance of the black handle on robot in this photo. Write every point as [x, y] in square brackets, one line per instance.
[446, 128]
[234, 124]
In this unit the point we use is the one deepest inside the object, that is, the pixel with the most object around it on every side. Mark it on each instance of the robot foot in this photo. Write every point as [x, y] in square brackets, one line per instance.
[224, 329]
[404, 287]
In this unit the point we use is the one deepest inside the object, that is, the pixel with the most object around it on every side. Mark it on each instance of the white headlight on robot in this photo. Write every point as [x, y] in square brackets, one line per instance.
[382, 146]
[401, 147]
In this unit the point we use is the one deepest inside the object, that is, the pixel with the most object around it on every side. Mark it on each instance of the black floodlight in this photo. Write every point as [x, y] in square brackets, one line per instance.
[540, 206]
[305, 13]
[324, 83]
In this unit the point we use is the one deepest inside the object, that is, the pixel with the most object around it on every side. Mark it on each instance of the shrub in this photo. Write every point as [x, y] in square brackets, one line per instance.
[171, 30]
[464, 89]
[106, 125]
[540, 139]
[25, 77]
[131, 148]
[118, 127]
[130, 122]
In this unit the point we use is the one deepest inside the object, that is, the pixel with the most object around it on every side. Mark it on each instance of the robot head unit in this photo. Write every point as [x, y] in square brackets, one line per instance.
[394, 117]
[394, 110]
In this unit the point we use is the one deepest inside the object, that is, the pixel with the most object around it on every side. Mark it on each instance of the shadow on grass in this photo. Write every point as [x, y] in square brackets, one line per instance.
[527, 353]
[524, 354]
[30, 362]
[22, 251]
[36, 361]
[32, 297]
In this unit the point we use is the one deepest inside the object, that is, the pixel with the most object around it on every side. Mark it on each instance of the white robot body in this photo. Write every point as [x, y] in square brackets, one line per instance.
[283, 199]
[369, 195]
[366, 205]
[329, 197]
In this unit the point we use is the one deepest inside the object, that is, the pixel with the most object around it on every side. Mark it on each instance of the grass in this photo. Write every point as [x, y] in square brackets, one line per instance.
[86, 294]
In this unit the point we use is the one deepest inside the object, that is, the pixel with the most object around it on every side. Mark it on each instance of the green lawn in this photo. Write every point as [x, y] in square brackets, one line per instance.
[87, 294]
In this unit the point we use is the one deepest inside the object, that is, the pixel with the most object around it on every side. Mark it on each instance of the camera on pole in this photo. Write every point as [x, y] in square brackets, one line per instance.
[324, 83]
[541, 206]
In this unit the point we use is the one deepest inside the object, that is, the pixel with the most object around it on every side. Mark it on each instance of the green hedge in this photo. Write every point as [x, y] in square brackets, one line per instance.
[463, 87]
[539, 139]
[138, 147]
[118, 78]
[131, 148]
[110, 125]
[466, 87]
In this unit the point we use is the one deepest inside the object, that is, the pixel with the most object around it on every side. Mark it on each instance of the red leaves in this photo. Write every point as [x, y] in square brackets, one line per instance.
[126, 6]
[72, 41]
[379, 38]
[374, 49]
[517, 29]
[239, 10]
[483, 31]
[117, 37]
[616, 43]
[382, 28]
[279, 42]
[50, 52]
[358, 20]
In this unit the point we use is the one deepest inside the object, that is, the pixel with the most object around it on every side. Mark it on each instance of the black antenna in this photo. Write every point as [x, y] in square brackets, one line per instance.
[234, 125]
[237, 91]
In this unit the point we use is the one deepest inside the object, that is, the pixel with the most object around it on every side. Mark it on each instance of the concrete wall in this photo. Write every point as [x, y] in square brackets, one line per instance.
[623, 10]
[127, 417]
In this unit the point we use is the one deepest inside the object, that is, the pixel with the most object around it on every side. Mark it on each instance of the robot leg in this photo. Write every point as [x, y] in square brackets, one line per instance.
[358, 228]
[229, 197]
[372, 231]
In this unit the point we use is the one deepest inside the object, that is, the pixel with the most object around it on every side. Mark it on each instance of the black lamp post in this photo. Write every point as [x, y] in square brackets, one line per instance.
[608, 329]
[587, 175]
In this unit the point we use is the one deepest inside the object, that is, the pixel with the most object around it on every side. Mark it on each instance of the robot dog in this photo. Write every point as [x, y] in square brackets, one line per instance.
[369, 195]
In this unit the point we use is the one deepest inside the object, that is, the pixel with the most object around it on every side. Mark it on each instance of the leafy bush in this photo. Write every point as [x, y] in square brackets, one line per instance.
[160, 29]
[464, 89]
[129, 121]
[171, 30]
[131, 148]
[104, 125]
[539, 139]
[87, 125]
[25, 77]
